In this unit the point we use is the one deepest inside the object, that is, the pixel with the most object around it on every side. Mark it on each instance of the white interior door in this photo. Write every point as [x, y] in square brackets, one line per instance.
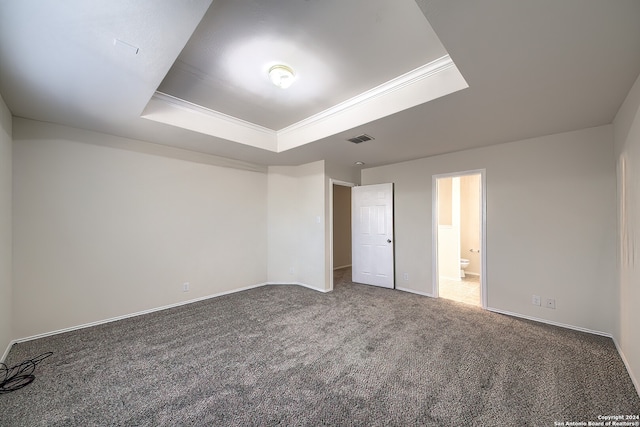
[372, 235]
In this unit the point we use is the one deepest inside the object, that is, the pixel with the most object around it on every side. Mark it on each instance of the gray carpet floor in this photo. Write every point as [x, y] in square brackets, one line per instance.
[287, 355]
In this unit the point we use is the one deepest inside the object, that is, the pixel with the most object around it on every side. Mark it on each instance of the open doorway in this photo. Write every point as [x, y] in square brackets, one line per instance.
[459, 237]
[340, 199]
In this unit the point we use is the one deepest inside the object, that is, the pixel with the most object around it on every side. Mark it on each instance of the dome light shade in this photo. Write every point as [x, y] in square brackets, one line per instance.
[281, 76]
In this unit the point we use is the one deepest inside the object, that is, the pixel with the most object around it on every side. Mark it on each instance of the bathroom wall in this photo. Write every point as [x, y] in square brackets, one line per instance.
[470, 221]
[449, 228]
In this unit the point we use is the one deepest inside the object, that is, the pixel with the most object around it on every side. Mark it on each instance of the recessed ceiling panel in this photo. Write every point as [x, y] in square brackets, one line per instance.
[337, 50]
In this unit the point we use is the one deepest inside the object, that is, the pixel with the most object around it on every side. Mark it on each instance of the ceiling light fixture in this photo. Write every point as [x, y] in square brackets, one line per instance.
[359, 163]
[281, 76]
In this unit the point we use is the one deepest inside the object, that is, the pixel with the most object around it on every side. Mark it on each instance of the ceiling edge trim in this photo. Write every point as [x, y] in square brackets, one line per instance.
[189, 106]
[407, 79]
[441, 83]
[167, 109]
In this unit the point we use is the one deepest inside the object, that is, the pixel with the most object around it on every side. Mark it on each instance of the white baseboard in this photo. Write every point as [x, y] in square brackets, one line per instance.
[304, 285]
[634, 380]
[341, 267]
[413, 291]
[550, 322]
[6, 352]
[151, 310]
[138, 313]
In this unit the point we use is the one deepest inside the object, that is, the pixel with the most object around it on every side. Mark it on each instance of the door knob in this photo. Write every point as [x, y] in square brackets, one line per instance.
[388, 240]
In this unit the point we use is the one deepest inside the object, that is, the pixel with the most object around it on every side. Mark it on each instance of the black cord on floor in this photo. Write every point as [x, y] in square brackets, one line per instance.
[21, 375]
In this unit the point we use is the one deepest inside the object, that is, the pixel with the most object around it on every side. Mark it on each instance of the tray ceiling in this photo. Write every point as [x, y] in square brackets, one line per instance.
[349, 58]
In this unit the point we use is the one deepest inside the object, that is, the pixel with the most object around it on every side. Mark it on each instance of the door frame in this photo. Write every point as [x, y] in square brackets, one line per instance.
[483, 230]
[333, 182]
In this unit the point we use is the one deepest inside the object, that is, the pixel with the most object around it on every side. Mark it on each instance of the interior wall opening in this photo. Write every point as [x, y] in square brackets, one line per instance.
[459, 238]
[341, 231]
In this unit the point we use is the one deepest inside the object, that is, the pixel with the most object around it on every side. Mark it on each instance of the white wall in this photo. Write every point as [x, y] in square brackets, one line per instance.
[101, 232]
[282, 225]
[349, 174]
[296, 225]
[6, 333]
[627, 150]
[550, 224]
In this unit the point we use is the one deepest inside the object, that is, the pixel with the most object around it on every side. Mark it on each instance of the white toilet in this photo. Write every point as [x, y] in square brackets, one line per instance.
[464, 263]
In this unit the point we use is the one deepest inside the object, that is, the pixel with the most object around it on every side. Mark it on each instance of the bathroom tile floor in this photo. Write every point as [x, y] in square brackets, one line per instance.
[466, 290]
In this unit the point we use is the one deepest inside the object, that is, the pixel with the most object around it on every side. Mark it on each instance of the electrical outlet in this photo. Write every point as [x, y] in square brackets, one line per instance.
[405, 277]
[551, 303]
[185, 287]
[535, 300]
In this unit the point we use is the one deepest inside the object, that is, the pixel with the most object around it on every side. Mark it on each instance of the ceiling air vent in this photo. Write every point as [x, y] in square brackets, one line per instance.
[360, 138]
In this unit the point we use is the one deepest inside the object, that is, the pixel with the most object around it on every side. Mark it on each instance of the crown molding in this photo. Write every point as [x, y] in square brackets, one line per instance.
[408, 90]
[407, 79]
[168, 109]
[191, 107]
